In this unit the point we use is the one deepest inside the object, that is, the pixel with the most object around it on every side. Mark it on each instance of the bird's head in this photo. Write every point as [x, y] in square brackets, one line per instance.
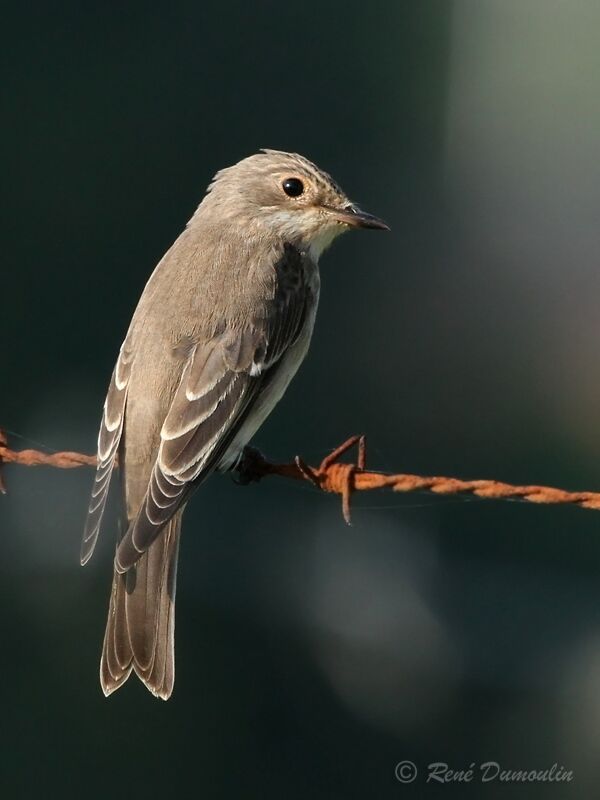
[285, 194]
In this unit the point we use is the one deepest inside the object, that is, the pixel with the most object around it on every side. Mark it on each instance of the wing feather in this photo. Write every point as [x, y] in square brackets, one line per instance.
[220, 381]
[109, 436]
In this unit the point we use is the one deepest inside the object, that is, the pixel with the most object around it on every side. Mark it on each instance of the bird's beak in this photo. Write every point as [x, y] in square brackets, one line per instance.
[352, 215]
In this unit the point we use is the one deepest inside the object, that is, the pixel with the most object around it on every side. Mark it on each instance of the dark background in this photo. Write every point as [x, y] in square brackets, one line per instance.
[312, 657]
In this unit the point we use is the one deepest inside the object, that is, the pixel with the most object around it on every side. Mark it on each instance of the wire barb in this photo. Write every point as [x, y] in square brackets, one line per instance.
[334, 476]
[3, 445]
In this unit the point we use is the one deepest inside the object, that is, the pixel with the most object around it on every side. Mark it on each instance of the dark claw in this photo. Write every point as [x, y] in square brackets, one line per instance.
[249, 467]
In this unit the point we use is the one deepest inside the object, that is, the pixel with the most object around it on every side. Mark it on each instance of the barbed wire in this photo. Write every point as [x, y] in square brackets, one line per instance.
[335, 476]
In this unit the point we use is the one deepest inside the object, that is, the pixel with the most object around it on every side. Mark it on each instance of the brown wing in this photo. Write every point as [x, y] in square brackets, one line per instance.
[111, 429]
[217, 391]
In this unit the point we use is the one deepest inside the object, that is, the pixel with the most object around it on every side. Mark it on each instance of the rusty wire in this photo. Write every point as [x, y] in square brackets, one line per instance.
[337, 477]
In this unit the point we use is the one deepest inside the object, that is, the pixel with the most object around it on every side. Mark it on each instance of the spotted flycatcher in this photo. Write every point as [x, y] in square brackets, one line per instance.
[220, 330]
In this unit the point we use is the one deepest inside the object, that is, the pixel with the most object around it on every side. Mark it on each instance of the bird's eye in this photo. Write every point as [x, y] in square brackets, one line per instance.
[293, 187]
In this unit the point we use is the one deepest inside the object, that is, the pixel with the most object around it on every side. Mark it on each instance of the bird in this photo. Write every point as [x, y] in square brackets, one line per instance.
[220, 329]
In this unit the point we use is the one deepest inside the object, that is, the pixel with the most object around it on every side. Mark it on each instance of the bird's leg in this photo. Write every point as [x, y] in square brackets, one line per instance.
[250, 467]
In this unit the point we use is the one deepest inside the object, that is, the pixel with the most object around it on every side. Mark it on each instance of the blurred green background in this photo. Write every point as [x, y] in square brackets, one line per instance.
[312, 657]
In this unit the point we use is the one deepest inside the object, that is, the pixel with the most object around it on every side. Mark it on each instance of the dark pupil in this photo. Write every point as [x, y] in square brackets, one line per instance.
[293, 187]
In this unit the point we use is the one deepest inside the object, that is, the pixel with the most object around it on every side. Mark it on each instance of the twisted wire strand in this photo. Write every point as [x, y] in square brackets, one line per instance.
[336, 477]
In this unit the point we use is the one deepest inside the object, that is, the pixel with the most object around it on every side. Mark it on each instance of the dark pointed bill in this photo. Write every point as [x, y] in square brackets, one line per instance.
[354, 216]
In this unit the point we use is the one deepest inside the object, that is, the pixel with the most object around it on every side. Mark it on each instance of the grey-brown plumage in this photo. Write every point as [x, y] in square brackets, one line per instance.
[221, 328]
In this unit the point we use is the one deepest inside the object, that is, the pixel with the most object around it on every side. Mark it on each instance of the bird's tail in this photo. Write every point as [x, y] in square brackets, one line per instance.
[141, 619]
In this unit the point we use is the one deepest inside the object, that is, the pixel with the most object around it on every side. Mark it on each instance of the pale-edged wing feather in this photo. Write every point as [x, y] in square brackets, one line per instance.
[219, 385]
[109, 436]
[209, 399]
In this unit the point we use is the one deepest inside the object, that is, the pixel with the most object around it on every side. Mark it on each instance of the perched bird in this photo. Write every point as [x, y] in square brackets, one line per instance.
[220, 330]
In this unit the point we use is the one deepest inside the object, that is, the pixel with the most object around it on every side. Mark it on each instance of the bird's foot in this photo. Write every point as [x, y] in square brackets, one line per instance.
[250, 467]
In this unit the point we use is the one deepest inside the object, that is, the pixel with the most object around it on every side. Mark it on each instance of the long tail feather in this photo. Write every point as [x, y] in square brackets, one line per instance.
[141, 619]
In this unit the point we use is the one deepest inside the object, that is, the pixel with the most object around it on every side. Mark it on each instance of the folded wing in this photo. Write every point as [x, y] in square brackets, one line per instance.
[221, 380]
[111, 429]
